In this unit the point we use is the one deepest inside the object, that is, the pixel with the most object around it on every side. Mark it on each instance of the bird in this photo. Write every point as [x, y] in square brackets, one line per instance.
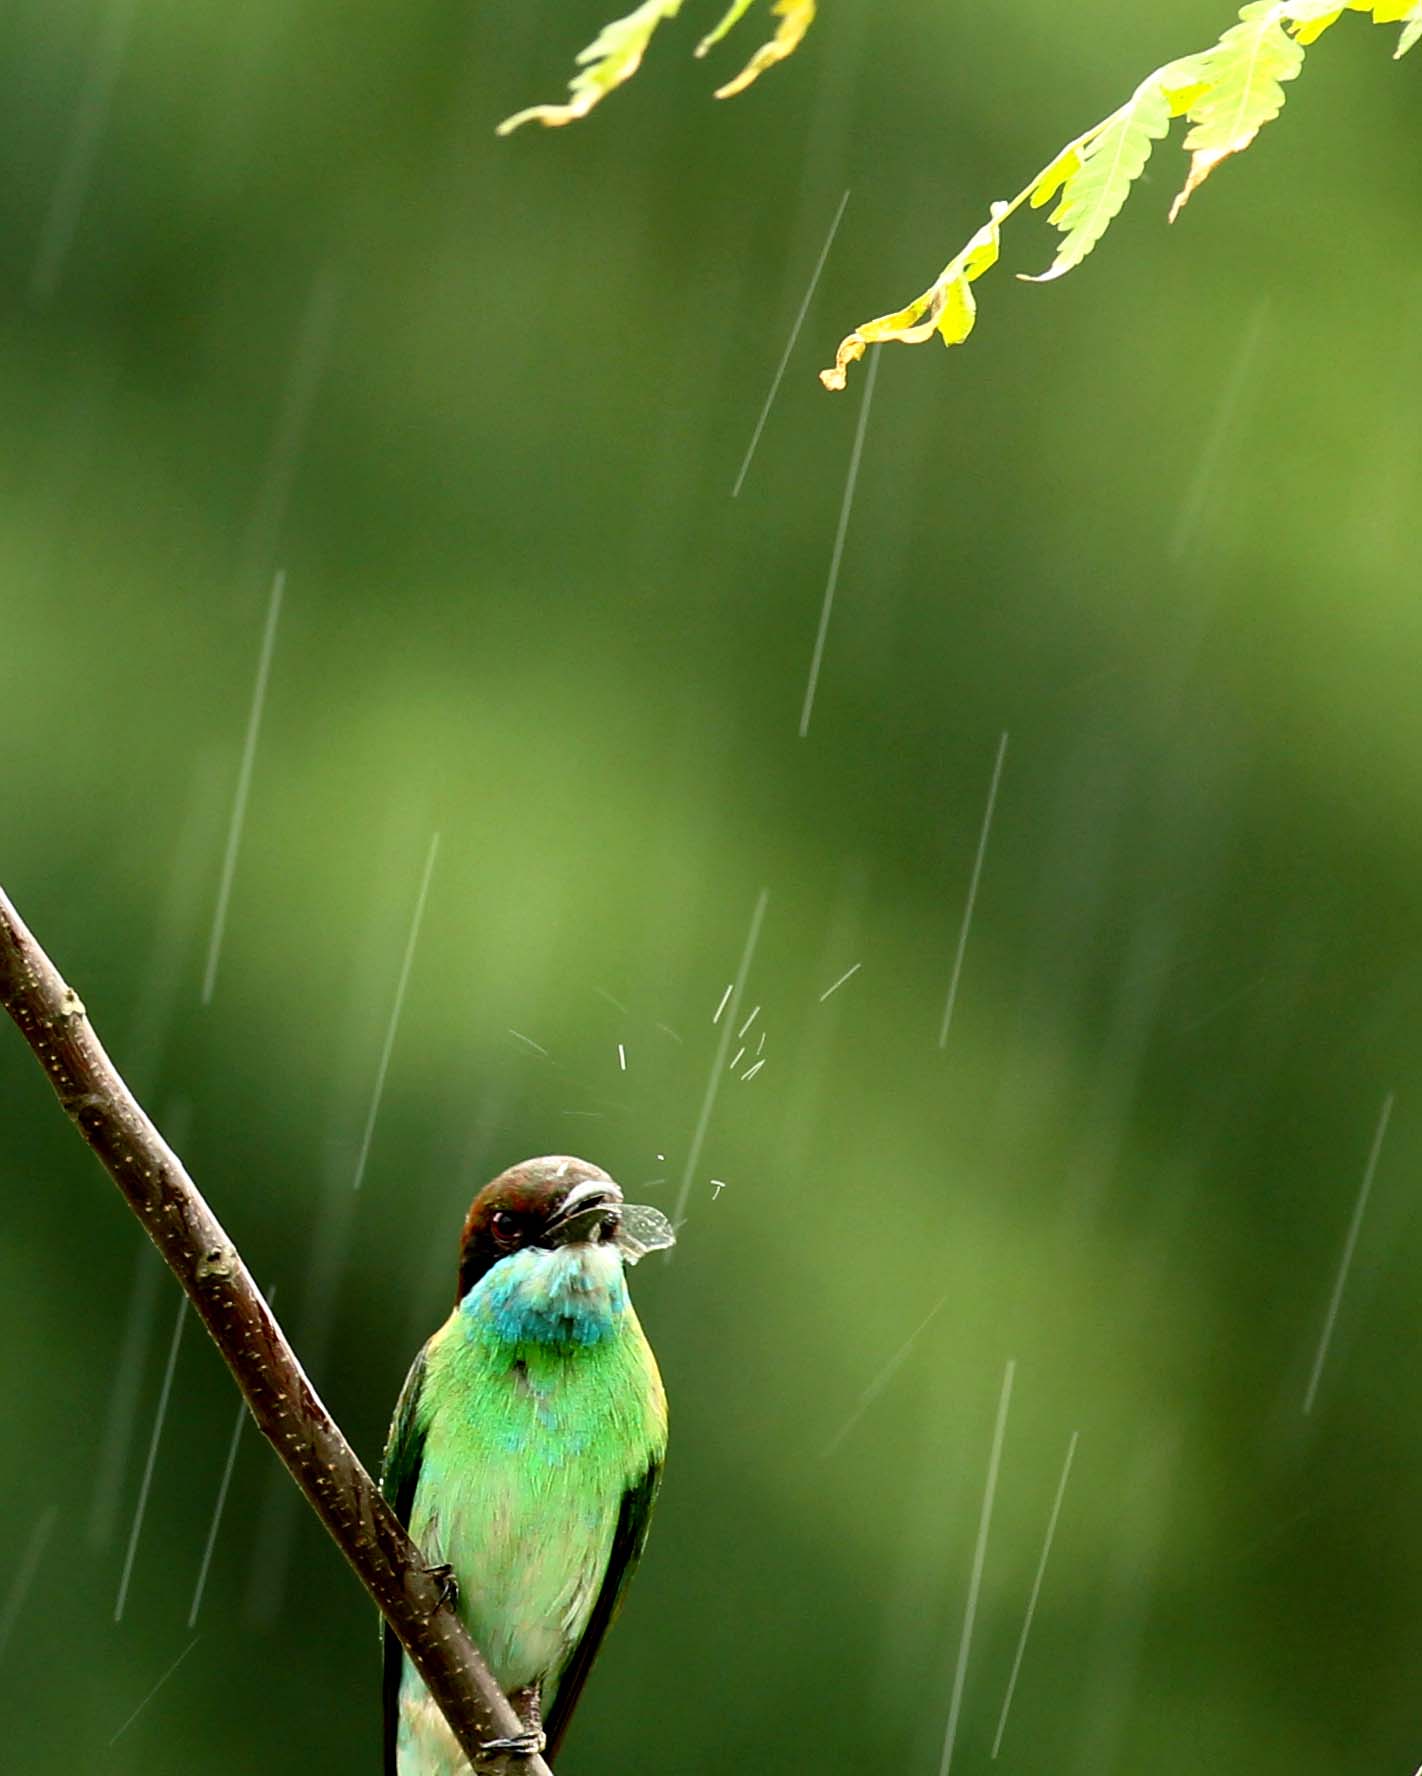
[526, 1450]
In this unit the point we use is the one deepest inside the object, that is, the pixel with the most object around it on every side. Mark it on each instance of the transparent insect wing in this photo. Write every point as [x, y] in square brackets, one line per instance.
[643, 1229]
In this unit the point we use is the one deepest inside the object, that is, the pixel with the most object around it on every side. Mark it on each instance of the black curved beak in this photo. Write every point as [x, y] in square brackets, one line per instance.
[587, 1212]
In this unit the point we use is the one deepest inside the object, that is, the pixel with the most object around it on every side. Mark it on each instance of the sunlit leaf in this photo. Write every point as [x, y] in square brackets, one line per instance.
[1245, 70]
[1228, 92]
[613, 56]
[796, 17]
[1407, 13]
[947, 307]
[1051, 179]
[1309, 19]
[1184, 82]
[730, 18]
[1309, 30]
[1111, 162]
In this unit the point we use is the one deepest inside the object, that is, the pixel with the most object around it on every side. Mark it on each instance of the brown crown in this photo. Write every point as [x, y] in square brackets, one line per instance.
[532, 1192]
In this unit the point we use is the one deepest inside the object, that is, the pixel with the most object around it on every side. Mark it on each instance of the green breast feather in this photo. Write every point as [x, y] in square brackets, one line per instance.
[525, 1454]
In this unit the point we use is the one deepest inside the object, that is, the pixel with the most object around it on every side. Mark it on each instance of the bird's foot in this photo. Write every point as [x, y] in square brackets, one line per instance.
[448, 1585]
[520, 1745]
[527, 1704]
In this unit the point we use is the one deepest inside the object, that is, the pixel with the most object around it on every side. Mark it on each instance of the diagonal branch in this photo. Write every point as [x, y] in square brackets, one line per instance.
[288, 1412]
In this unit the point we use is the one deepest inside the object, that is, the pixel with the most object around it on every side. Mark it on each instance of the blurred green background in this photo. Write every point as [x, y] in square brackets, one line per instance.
[274, 296]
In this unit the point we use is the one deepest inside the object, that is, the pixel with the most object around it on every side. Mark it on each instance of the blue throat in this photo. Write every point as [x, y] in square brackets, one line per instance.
[572, 1295]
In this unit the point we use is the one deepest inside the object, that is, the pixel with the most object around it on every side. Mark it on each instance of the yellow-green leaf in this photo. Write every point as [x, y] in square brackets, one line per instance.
[732, 16]
[1183, 81]
[1309, 19]
[947, 307]
[1245, 70]
[960, 312]
[796, 17]
[1308, 31]
[613, 56]
[1051, 178]
[1111, 161]
[1228, 92]
[1405, 13]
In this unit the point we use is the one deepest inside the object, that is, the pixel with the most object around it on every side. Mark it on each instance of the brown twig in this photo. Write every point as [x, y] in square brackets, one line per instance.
[288, 1412]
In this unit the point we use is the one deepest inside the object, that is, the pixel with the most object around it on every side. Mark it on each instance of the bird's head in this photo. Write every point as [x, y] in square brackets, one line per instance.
[549, 1202]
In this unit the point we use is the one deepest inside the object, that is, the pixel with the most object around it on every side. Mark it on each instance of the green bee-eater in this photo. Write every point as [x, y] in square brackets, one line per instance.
[527, 1447]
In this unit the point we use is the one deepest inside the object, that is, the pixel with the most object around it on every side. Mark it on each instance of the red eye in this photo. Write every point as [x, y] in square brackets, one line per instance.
[504, 1226]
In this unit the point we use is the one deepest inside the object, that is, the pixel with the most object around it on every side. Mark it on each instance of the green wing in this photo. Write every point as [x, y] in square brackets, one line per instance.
[628, 1540]
[399, 1475]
